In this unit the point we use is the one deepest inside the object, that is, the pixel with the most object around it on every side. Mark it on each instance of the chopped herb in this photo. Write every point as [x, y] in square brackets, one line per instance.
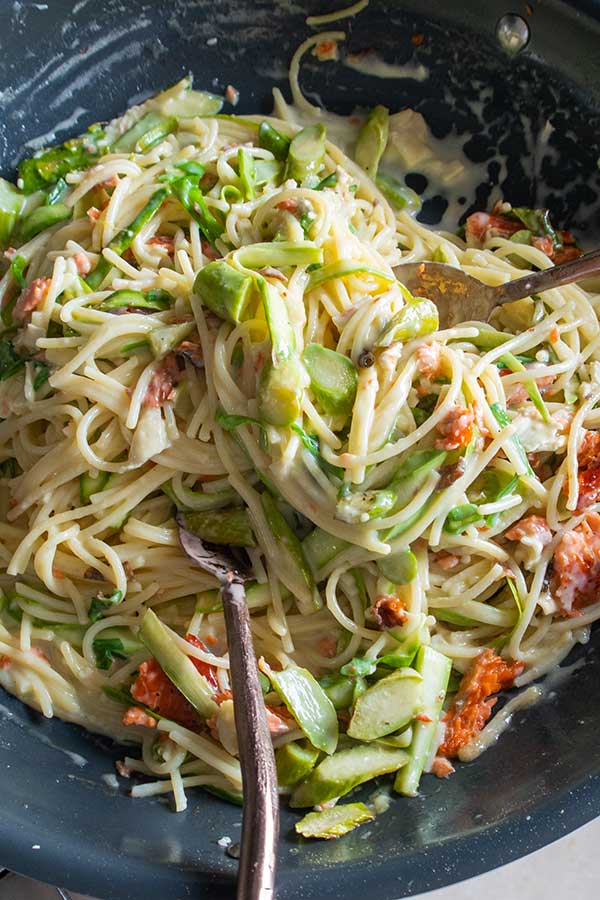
[106, 650]
[359, 668]
[101, 603]
[17, 268]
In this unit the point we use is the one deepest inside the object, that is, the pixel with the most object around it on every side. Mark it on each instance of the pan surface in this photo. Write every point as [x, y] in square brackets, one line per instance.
[64, 65]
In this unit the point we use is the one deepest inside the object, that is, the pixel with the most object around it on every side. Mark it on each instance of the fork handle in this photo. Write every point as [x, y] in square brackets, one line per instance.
[555, 276]
[260, 826]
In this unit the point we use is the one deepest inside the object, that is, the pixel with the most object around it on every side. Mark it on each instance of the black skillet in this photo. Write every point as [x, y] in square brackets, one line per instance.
[79, 62]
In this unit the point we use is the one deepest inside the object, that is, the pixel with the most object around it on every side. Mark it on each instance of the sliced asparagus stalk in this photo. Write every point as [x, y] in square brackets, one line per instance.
[224, 290]
[123, 240]
[292, 548]
[372, 140]
[435, 671]
[306, 153]
[294, 761]
[308, 703]
[176, 665]
[345, 770]
[221, 526]
[387, 706]
[334, 822]
[333, 378]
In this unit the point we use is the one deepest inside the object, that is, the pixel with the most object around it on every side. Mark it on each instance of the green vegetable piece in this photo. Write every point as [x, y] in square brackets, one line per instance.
[247, 172]
[290, 544]
[188, 104]
[164, 339]
[398, 194]
[453, 618]
[280, 391]
[306, 153]
[123, 240]
[372, 140]
[224, 290]
[145, 133]
[11, 201]
[234, 797]
[308, 703]
[271, 139]
[320, 547]
[387, 706]
[257, 597]
[41, 218]
[341, 269]
[200, 500]
[488, 338]
[49, 166]
[335, 822]
[192, 199]
[92, 484]
[413, 472]
[530, 386]
[294, 761]
[417, 318]
[224, 526]
[345, 770]
[114, 643]
[361, 506]
[267, 170]
[126, 298]
[10, 361]
[403, 739]
[330, 181]
[435, 671]
[17, 268]
[339, 689]
[101, 603]
[503, 419]
[359, 667]
[461, 517]
[403, 655]
[537, 221]
[399, 567]
[176, 665]
[333, 378]
[279, 254]
[311, 442]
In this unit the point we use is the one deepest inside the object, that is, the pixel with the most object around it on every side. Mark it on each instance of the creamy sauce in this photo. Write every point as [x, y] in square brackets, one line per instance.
[372, 64]
[501, 721]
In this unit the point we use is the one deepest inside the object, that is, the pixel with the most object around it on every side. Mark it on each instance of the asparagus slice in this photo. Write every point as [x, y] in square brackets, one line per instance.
[224, 290]
[123, 240]
[292, 548]
[176, 665]
[294, 761]
[435, 671]
[11, 201]
[306, 153]
[387, 706]
[417, 318]
[333, 378]
[372, 140]
[335, 822]
[308, 703]
[221, 526]
[345, 770]
[273, 140]
[41, 218]
[400, 567]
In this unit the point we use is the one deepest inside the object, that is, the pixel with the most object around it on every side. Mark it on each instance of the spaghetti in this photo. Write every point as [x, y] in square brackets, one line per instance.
[209, 321]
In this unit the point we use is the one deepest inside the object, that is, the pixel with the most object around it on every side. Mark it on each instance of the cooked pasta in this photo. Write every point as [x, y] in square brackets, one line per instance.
[201, 314]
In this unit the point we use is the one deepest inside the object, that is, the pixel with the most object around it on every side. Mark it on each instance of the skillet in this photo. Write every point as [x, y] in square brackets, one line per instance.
[67, 64]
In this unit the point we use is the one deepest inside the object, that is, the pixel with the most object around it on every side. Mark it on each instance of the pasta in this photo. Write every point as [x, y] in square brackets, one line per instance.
[208, 320]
